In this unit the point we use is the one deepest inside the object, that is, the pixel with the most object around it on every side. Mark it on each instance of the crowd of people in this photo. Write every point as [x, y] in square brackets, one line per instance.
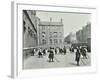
[80, 51]
[48, 51]
[51, 52]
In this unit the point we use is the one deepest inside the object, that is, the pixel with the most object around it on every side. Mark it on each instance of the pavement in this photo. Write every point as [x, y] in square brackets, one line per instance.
[60, 60]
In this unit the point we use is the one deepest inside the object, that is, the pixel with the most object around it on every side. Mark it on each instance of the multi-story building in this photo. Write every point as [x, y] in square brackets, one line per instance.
[84, 34]
[50, 33]
[29, 29]
[41, 33]
[79, 36]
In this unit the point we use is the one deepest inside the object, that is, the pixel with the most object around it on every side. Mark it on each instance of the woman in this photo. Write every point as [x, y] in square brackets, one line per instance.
[51, 56]
[77, 59]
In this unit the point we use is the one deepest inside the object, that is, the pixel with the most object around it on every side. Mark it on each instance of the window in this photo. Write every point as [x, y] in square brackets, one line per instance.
[43, 27]
[50, 41]
[60, 41]
[55, 41]
[50, 34]
[43, 34]
[31, 32]
[43, 41]
[55, 34]
[60, 34]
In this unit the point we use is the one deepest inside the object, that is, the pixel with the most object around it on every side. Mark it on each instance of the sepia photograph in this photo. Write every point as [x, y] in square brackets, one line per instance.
[54, 39]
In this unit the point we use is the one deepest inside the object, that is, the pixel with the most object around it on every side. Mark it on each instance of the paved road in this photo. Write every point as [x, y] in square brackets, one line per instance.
[67, 60]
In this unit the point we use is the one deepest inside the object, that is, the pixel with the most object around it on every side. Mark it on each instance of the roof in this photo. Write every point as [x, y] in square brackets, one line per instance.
[44, 23]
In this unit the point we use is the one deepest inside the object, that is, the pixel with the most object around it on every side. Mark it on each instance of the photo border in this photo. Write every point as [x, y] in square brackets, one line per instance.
[17, 41]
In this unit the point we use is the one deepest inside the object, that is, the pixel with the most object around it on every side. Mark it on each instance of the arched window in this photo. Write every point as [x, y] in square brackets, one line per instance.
[55, 34]
[43, 34]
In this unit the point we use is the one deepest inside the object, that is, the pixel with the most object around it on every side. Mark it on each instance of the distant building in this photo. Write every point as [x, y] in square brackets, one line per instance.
[79, 36]
[85, 34]
[71, 38]
[67, 39]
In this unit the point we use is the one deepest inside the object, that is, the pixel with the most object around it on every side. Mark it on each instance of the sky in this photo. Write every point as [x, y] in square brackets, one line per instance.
[72, 21]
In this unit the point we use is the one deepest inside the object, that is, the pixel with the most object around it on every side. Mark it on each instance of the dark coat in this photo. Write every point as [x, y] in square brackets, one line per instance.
[83, 51]
[77, 55]
[39, 53]
[51, 55]
[64, 50]
[44, 51]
